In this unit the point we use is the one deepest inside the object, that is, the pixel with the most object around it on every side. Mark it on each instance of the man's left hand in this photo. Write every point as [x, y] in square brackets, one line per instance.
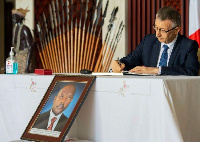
[146, 70]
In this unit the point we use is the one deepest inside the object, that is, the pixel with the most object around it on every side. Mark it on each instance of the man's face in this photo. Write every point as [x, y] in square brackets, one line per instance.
[165, 25]
[62, 100]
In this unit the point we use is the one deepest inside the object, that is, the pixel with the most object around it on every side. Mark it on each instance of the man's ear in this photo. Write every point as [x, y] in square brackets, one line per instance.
[178, 30]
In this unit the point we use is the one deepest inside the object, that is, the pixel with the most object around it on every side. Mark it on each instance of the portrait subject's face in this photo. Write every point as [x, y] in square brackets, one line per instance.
[63, 99]
[16, 18]
[166, 25]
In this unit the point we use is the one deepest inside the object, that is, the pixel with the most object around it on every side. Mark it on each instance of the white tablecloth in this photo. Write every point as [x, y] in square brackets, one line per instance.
[117, 109]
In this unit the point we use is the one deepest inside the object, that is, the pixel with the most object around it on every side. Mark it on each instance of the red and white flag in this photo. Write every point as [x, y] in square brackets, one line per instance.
[194, 20]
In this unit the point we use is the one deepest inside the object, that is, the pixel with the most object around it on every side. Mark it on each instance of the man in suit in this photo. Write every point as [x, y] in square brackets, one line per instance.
[54, 119]
[166, 52]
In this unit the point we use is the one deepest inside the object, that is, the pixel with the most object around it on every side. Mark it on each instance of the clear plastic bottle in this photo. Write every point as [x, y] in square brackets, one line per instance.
[11, 63]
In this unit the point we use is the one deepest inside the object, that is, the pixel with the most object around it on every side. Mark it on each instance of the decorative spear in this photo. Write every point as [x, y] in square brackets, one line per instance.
[103, 49]
[93, 34]
[98, 37]
[57, 36]
[83, 35]
[115, 46]
[79, 37]
[75, 38]
[60, 37]
[93, 17]
[71, 16]
[52, 36]
[106, 43]
[68, 32]
[64, 38]
[52, 44]
[110, 48]
[49, 46]
[46, 51]
[40, 54]
[42, 46]
[87, 40]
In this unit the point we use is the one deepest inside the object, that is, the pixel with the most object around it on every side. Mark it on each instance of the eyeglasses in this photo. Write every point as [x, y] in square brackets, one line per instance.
[163, 31]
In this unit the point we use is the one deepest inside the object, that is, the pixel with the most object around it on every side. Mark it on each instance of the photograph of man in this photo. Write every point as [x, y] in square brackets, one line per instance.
[54, 119]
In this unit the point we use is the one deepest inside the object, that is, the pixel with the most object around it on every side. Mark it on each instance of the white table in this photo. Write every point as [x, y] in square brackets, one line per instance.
[117, 109]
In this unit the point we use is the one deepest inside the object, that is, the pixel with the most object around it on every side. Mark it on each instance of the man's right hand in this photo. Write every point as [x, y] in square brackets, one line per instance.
[116, 67]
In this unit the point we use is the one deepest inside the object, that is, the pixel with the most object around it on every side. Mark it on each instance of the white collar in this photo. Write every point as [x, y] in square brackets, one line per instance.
[52, 115]
[171, 44]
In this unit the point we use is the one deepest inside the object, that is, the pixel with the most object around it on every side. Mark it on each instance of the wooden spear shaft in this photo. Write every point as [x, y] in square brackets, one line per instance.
[86, 47]
[75, 47]
[50, 56]
[104, 53]
[82, 48]
[95, 23]
[65, 53]
[99, 58]
[95, 50]
[89, 50]
[68, 33]
[90, 54]
[61, 53]
[57, 37]
[102, 59]
[47, 53]
[60, 37]
[78, 54]
[83, 36]
[55, 54]
[107, 59]
[64, 38]
[52, 37]
[68, 51]
[41, 58]
[45, 58]
[50, 46]
[72, 34]
[72, 51]
[42, 44]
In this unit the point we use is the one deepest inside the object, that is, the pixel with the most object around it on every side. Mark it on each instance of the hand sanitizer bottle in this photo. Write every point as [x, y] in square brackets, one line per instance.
[11, 63]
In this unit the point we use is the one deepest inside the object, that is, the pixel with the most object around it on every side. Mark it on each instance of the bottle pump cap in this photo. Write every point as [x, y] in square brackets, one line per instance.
[11, 52]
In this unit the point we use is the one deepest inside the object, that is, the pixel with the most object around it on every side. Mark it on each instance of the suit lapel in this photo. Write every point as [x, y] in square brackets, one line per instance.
[155, 53]
[61, 123]
[174, 51]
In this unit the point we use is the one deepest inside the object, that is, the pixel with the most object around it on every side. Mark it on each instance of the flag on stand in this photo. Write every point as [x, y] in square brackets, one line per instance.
[194, 20]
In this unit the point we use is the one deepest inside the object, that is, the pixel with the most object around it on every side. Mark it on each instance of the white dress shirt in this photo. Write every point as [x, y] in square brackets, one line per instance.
[52, 116]
[169, 51]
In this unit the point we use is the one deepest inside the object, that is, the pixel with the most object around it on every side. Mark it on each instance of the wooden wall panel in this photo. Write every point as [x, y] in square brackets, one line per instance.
[141, 17]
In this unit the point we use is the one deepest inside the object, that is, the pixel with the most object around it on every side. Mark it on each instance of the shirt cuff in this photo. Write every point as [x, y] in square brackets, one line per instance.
[159, 71]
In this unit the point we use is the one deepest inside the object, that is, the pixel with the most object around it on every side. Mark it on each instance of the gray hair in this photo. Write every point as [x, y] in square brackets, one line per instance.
[169, 13]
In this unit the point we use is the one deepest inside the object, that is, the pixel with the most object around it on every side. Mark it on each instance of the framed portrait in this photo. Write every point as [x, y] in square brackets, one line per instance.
[59, 107]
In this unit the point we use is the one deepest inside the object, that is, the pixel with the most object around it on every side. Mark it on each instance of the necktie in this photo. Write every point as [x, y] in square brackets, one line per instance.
[164, 57]
[52, 122]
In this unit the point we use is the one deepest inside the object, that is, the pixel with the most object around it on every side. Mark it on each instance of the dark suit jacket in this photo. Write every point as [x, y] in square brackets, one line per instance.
[42, 121]
[183, 59]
